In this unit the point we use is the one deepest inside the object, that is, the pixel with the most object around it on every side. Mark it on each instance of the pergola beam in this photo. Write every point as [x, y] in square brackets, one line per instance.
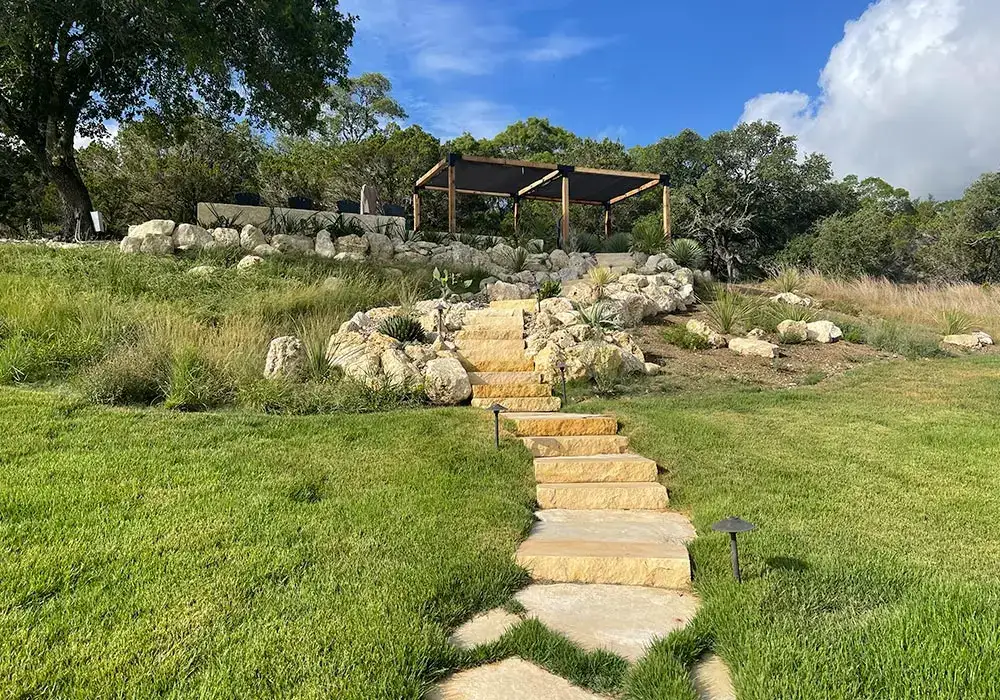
[638, 190]
[426, 177]
[540, 182]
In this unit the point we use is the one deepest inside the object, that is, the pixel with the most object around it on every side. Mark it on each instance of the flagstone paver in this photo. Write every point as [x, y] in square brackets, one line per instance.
[712, 680]
[484, 628]
[511, 679]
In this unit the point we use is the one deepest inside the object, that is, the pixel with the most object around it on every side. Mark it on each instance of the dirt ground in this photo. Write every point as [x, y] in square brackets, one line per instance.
[805, 363]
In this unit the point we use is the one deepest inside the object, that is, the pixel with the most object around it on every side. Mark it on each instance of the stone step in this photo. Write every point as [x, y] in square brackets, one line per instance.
[594, 469]
[491, 347]
[486, 391]
[548, 424]
[475, 361]
[576, 445]
[504, 378]
[510, 679]
[491, 331]
[521, 403]
[603, 496]
[630, 548]
[528, 306]
[492, 314]
[615, 260]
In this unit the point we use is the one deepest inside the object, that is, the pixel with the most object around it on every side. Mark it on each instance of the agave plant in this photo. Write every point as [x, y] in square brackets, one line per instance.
[549, 289]
[599, 278]
[601, 316]
[517, 259]
[687, 253]
[403, 328]
[648, 238]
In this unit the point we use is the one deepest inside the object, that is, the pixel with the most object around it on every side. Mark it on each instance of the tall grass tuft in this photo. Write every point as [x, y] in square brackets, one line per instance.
[786, 279]
[730, 312]
[955, 322]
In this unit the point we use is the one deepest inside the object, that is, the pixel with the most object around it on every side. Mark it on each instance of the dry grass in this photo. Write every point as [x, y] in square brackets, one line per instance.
[919, 304]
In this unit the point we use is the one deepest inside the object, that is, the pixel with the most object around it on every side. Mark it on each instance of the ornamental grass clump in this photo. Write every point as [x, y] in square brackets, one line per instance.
[687, 253]
[730, 312]
[405, 329]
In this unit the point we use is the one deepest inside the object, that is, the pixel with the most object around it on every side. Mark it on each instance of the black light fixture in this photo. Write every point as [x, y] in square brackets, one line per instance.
[497, 408]
[734, 526]
[440, 319]
[562, 372]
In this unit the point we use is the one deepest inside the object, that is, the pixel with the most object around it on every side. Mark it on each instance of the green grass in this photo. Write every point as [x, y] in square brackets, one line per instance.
[155, 554]
[874, 572]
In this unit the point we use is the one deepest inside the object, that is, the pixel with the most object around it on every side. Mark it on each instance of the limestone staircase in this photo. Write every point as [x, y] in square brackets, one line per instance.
[491, 347]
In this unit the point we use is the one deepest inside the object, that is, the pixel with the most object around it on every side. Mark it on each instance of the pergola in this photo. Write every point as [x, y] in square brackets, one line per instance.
[520, 180]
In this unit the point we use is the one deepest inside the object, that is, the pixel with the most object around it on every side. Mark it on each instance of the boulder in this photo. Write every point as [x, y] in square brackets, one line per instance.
[325, 247]
[380, 245]
[203, 270]
[793, 331]
[399, 370]
[251, 237]
[558, 260]
[651, 369]
[568, 274]
[658, 263]
[632, 308]
[264, 250]
[823, 332]
[793, 299]
[963, 340]
[666, 299]
[226, 237]
[349, 352]
[716, 340]
[355, 246]
[556, 305]
[984, 338]
[501, 254]
[154, 227]
[286, 357]
[191, 237]
[157, 244]
[502, 291]
[284, 243]
[446, 381]
[248, 263]
[749, 347]
[599, 358]
[757, 334]
[130, 244]
[546, 361]
[349, 257]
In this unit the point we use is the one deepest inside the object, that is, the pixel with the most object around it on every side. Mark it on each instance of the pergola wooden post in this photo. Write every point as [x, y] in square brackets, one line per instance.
[416, 210]
[452, 225]
[517, 214]
[564, 232]
[665, 179]
[607, 221]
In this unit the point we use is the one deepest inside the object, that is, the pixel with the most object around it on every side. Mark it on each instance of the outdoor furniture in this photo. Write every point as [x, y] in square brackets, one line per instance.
[300, 203]
[247, 199]
[346, 206]
[393, 210]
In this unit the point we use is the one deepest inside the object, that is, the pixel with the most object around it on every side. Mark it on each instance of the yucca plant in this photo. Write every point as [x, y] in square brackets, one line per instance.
[549, 289]
[729, 312]
[786, 279]
[517, 260]
[405, 329]
[599, 278]
[648, 238]
[955, 322]
[618, 243]
[687, 253]
[601, 316]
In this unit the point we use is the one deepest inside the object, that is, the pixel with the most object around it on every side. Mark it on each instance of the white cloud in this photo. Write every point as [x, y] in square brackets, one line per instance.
[481, 118]
[560, 47]
[111, 127]
[909, 95]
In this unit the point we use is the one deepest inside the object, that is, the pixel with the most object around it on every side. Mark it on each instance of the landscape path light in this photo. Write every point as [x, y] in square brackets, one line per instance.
[734, 526]
[440, 318]
[562, 373]
[497, 408]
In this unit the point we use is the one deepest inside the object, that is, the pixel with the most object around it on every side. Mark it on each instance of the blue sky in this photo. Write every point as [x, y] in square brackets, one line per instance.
[635, 71]
[903, 89]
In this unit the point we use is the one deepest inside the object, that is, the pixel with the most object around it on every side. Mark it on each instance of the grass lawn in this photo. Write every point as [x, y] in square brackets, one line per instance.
[876, 569]
[156, 554]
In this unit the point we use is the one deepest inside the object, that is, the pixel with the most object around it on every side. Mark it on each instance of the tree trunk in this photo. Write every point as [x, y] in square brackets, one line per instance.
[76, 201]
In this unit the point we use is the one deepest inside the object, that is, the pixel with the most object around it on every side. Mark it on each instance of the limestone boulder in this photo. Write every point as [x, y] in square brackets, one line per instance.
[157, 244]
[130, 244]
[555, 305]
[399, 369]
[353, 245]
[984, 338]
[962, 340]
[823, 332]
[749, 347]
[226, 237]
[251, 237]
[558, 260]
[666, 299]
[446, 382]
[191, 237]
[631, 308]
[793, 299]
[793, 331]
[264, 250]
[350, 353]
[379, 245]
[154, 227]
[547, 360]
[757, 334]
[203, 271]
[715, 340]
[601, 359]
[324, 246]
[284, 243]
[248, 263]
[286, 358]
[502, 291]
[501, 255]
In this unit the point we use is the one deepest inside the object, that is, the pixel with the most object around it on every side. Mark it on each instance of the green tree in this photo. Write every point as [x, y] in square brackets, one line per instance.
[22, 189]
[360, 108]
[68, 66]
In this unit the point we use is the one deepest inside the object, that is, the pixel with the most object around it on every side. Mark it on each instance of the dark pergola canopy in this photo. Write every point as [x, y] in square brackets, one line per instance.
[519, 180]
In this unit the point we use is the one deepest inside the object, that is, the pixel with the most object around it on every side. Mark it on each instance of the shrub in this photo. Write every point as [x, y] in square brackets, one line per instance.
[687, 253]
[955, 322]
[681, 337]
[549, 289]
[599, 278]
[618, 243]
[729, 311]
[195, 384]
[648, 237]
[403, 328]
[136, 375]
[585, 243]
